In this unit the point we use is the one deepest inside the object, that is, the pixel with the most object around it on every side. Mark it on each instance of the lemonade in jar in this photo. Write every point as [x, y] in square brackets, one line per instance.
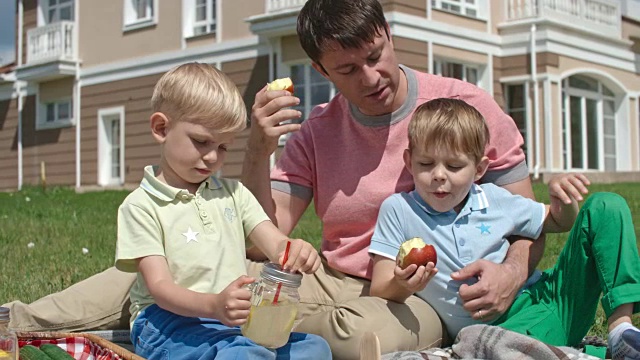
[274, 306]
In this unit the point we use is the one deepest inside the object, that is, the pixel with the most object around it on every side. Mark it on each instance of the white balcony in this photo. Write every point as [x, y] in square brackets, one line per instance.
[599, 16]
[274, 6]
[53, 42]
[52, 52]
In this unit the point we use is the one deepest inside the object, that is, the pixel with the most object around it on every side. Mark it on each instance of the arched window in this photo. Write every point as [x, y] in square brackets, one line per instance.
[589, 125]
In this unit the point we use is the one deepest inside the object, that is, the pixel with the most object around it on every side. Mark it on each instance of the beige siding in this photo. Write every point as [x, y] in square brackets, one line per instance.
[458, 20]
[411, 7]
[412, 53]
[629, 79]
[140, 148]
[250, 76]
[54, 147]
[234, 14]
[102, 39]
[466, 56]
[55, 90]
[291, 49]
[8, 144]
[521, 64]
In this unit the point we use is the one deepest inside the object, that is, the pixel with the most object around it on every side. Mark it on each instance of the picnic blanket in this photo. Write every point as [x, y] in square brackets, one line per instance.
[493, 342]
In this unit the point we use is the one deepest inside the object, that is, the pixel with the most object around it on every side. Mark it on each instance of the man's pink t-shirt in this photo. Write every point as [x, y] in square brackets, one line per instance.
[350, 162]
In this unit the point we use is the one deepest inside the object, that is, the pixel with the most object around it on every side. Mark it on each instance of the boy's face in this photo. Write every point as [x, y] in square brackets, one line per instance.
[369, 77]
[190, 153]
[443, 178]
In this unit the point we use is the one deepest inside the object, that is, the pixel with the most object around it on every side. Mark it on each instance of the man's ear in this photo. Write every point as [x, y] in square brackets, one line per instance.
[159, 126]
[406, 156]
[319, 68]
[481, 168]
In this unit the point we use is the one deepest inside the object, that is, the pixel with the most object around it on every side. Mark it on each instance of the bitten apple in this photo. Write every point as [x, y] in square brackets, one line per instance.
[281, 84]
[415, 251]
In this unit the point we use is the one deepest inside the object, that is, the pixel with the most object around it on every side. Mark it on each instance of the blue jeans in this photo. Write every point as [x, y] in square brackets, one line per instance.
[160, 334]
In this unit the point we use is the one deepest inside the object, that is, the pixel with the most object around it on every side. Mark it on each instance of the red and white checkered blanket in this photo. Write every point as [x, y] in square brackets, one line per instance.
[79, 347]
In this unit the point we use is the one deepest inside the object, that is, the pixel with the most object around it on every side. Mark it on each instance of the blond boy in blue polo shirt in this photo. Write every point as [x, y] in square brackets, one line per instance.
[183, 231]
[470, 223]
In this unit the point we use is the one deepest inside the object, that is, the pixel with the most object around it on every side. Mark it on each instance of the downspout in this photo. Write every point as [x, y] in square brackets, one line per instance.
[76, 91]
[18, 87]
[536, 109]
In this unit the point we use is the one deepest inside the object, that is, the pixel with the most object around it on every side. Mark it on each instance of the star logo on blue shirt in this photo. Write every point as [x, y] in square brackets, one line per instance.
[484, 228]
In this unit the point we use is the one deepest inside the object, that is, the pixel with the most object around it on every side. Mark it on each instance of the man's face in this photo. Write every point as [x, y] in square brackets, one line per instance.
[369, 76]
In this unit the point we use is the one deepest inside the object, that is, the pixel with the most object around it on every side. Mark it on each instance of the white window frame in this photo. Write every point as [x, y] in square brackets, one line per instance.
[45, 7]
[439, 63]
[131, 21]
[104, 148]
[189, 18]
[465, 8]
[599, 98]
[41, 114]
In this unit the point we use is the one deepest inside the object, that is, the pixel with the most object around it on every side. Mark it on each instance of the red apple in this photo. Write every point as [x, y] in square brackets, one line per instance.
[281, 84]
[415, 251]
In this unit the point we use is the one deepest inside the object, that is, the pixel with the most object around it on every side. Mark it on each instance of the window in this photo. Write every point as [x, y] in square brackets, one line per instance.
[139, 13]
[517, 109]
[111, 170]
[589, 126]
[312, 89]
[204, 17]
[462, 7]
[56, 114]
[59, 10]
[468, 73]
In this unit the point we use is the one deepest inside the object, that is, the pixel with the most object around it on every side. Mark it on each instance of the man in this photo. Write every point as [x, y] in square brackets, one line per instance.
[347, 157]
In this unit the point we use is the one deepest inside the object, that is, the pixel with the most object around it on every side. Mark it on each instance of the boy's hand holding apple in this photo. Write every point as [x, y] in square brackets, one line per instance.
[416, 264]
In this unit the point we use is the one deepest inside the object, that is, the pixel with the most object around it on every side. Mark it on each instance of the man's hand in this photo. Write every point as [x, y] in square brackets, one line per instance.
[269, 110]
[494, 292]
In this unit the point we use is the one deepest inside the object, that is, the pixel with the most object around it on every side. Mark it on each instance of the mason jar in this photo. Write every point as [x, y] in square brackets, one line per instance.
[270, 320]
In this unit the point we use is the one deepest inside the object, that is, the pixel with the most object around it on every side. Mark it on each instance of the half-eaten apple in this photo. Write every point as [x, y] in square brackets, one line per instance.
[281, 84]
[416, 251]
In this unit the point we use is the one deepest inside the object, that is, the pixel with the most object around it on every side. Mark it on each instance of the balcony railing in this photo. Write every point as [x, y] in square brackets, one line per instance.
[602, 16]
[282, 5]
[53, 42]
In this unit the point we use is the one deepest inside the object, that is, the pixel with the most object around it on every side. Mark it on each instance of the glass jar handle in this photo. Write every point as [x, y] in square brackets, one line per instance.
[250, 286]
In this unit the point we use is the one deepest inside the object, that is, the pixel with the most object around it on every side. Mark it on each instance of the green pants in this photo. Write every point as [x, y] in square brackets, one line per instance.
[599, 258]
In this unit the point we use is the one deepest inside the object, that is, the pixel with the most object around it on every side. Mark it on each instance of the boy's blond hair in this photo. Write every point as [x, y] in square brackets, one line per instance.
[449, 124]
[201, 94]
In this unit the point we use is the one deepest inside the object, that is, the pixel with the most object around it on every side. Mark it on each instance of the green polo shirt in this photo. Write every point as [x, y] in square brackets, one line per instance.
[201, 235]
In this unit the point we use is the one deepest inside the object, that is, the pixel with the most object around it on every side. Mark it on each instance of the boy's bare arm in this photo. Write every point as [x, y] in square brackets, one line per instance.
[564, 191]
[231, 306]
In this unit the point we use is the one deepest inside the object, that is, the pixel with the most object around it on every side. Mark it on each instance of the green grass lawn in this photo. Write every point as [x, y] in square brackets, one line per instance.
[60, 223]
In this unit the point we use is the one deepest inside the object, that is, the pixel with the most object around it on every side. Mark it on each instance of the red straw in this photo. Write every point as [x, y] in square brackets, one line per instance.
[284, 261]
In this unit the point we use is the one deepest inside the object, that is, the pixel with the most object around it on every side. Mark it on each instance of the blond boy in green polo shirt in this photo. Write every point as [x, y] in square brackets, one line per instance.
[183, 231]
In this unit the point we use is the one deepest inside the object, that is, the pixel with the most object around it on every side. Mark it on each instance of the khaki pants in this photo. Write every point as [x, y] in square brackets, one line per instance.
[97, 303]
[332, 305]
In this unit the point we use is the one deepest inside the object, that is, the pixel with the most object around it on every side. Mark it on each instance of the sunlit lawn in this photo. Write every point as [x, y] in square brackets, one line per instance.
[59, 223]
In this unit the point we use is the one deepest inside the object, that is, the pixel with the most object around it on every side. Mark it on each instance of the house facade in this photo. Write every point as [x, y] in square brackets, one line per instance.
[74, 104]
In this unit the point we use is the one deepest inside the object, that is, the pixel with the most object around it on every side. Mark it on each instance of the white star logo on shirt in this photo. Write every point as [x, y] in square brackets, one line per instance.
[191, 235]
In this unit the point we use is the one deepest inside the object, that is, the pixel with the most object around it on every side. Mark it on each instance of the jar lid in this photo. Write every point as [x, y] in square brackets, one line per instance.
[274, 272]
[4, 314]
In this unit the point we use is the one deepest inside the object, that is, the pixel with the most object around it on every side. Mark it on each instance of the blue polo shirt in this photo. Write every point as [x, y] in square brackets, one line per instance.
[479, 231]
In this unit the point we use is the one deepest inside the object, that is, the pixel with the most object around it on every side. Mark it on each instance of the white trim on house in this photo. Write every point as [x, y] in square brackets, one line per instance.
[104, 146]
[157, 63]
[415, 27]
[610, 52]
